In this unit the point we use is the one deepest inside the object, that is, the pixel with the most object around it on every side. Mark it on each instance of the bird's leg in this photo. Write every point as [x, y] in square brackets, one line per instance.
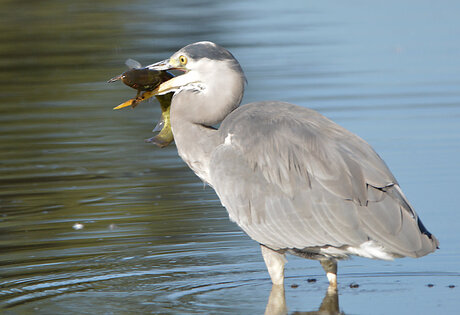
[330, 266]
[275, 264]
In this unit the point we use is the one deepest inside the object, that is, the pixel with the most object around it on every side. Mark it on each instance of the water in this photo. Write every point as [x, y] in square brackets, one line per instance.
[153, 239]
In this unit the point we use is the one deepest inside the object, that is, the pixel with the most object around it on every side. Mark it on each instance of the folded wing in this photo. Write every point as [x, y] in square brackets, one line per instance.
[291, 178]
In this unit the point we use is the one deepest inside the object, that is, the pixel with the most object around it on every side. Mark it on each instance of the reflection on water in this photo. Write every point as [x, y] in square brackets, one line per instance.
[277, 303]
[154, 240]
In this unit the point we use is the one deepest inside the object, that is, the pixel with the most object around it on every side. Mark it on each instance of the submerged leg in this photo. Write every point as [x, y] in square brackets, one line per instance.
[275, 264]
[330, 266]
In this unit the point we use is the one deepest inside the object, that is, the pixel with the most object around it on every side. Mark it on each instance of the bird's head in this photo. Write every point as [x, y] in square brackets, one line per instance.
[204, 65]
[211, 84]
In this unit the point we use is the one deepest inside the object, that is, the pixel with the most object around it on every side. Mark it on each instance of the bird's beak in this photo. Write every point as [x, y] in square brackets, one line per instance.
[172, 84]
[161, 65]
[168, 86]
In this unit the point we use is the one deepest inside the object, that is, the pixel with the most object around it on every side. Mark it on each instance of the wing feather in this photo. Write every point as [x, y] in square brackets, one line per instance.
[291, 178]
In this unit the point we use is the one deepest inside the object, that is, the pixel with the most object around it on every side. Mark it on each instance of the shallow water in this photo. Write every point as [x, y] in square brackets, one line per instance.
[153, 238]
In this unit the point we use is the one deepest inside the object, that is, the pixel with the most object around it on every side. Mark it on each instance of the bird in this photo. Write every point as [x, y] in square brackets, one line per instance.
[293, 180]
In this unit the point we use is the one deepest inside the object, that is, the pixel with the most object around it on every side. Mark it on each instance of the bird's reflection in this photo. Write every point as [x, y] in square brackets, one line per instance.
[277, 303]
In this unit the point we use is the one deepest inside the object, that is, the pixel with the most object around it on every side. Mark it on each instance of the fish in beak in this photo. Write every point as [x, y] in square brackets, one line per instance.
[148, 81]
[144, 80]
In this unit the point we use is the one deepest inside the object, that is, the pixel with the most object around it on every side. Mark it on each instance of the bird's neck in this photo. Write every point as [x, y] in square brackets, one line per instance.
[193, 113]
[195, 143]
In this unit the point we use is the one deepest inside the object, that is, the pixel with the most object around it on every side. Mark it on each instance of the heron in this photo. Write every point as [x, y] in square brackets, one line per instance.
[292, 179]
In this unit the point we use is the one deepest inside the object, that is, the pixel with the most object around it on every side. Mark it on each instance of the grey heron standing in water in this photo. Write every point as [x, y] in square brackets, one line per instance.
[292, 179]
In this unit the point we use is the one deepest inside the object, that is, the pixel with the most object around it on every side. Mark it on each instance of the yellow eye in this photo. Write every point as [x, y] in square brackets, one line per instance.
[183, 60]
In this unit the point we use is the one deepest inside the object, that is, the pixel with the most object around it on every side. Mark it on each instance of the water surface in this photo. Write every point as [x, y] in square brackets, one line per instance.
[153, 238]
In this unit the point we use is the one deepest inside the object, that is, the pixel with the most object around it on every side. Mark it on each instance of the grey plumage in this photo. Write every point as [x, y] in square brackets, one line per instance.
[292, 179]
[301, 181]
[207, 50]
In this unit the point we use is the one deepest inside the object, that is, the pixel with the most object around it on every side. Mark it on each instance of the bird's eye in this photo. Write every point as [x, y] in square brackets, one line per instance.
[183, 60]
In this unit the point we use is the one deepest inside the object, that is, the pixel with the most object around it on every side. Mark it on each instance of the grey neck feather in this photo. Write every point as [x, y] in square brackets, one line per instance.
[193, 113]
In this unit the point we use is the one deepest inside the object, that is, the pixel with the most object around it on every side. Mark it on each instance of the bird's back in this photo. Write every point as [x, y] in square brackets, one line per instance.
[293, 179]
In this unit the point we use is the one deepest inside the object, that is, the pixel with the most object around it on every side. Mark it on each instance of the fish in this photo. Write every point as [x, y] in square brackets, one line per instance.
[145, 80]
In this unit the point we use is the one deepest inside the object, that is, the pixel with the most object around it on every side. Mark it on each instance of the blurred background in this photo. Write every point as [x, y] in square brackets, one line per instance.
[93, 220]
